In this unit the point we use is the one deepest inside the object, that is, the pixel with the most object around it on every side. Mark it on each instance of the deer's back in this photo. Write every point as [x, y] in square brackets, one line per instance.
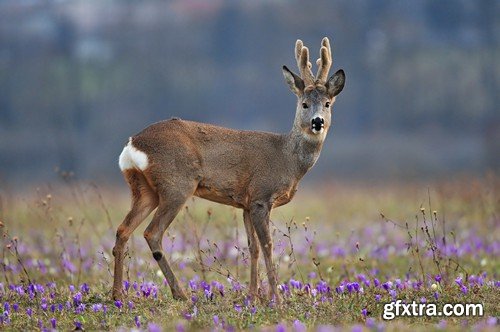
[226, 162]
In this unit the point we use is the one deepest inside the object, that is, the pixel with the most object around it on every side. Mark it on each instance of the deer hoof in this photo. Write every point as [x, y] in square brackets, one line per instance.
[179, 295]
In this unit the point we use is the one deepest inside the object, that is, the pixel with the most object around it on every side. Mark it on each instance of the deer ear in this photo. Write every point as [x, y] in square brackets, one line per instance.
[295, 83]
[335, 83]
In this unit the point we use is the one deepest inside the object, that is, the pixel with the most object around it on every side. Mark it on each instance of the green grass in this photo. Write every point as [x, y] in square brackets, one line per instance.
[64, 235]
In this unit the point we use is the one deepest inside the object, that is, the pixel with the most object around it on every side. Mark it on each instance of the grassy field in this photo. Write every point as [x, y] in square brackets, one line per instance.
[344, 250]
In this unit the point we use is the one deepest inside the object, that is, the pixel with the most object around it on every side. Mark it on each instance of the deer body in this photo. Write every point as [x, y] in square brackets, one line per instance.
[170, 161]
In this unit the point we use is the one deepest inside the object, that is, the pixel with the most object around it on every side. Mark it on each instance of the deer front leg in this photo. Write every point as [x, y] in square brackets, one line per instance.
[253, 247]
[259, 214]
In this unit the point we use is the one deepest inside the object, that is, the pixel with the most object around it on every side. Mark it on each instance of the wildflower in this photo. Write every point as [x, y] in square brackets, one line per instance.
[29, 312]
[387, 285]
[6, 306]
[84, 288]
[44, 304]
[126, 285]
[434, 287]
[216, 320]
[298, 326]
[71, 288]
[376, 282]
[152, 327]
[492, 321]
[15, 306]
[378, 297]
[423, 300]
[364, 312]
[118, 304]
[130, 305]
[459, 281]
[193, 285]
[280, 328]
[464, 289]
[436, 295]
[393, 294]
[53, 322]
[96, 307]
[180, 327]
[78, 325]
[77, 299]
[194, 298]
[137, 320]
[237, 307]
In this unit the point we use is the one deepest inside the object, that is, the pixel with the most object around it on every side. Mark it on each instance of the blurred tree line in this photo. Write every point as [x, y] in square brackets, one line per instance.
[78, 77]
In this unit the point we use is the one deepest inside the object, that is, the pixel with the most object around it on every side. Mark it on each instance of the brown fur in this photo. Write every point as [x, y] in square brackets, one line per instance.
[251, 170]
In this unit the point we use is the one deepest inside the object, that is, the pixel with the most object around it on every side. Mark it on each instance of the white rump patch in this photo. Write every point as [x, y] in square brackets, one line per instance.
[132, 158]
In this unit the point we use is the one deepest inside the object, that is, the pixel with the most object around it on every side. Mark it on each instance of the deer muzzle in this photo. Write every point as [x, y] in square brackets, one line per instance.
[317, 125]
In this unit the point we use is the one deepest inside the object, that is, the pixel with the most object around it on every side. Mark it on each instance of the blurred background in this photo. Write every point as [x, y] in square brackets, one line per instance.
[77, 78]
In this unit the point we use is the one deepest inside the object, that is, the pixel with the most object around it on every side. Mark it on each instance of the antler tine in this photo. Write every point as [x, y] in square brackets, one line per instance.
[325, 61]
[302, 57]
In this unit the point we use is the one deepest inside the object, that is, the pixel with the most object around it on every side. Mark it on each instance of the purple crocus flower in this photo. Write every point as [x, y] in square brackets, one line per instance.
[298, 326]
[53, 322]
[180, 327]
[15, 306]
[29, 312]
[119, 304]
[77, 299]
[137, 320]
[130, 305]
[364, 312]
[438, 278]
[387, 285]
[378, 297]
[280, 328]
[152, 327]
[78, 325]
[126, 285]
[85, 288]
[96, 307]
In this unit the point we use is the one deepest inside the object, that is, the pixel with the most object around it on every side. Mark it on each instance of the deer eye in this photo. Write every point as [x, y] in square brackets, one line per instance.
[327, 104]
[304, 105]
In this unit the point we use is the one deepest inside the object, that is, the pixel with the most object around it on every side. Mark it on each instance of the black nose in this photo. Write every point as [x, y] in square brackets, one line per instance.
[317, 123]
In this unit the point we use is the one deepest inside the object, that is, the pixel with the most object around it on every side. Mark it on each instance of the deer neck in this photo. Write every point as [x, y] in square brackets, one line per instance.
[303, 151]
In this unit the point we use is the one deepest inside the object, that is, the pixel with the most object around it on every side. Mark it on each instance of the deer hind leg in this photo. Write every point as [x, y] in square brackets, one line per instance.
[171, 202]
[253, 246]
[144, 201]
[259, 214]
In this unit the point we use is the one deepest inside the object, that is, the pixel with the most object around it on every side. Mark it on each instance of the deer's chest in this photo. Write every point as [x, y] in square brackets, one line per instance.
[285, 194]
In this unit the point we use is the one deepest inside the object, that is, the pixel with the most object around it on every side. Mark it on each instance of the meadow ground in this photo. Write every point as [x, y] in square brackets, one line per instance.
[344, 250]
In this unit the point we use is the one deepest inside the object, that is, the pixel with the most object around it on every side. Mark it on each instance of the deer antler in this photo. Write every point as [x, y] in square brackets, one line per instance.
[325, 61]
[302, 57]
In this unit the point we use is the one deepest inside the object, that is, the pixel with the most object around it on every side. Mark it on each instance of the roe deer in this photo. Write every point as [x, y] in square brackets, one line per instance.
[170, 161]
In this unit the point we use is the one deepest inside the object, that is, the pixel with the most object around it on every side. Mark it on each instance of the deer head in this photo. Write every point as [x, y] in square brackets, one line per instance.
[315, 95]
